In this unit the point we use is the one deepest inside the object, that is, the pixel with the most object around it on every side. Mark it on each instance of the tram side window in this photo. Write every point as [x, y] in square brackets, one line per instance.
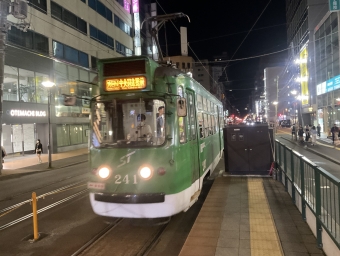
[208, 105]
[192, 117]
[206, 125]
[200, 124]
[204, 104]
[213, 131]
[181, 129]
[199, 102]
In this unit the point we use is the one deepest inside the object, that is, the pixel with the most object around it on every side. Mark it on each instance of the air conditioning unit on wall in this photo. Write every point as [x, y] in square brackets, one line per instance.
[19, 9]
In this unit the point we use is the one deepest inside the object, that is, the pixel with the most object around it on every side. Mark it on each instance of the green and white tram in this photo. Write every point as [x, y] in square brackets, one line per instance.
[156, 133]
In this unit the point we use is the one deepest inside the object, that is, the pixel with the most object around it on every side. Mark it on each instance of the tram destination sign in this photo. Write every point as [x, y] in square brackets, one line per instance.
[334, 5]
[125, 83]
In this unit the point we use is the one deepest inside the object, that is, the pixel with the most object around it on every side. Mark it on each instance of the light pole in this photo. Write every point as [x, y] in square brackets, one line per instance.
[49, 85]
[275, 103]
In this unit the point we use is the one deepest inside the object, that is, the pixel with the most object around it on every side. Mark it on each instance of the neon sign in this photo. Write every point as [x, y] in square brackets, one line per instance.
[126, 83]
[135, 6]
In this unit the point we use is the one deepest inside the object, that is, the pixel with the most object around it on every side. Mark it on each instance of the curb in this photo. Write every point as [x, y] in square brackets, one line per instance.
[316, 152]
[16, 175]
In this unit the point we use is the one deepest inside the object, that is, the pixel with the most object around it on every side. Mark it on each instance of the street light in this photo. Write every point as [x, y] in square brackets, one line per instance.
[49, 85]
[275, 103]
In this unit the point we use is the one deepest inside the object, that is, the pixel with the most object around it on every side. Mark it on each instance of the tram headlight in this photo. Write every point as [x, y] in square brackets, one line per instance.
[145, 172]
[104, 172]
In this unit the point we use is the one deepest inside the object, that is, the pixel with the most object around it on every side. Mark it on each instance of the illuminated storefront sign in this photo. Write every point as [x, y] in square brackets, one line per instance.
[304, 74]
[328, 86]
[127, 6]
[138, 49]
[36, 113]
[135, 6]
[122, 84]
[321, 88]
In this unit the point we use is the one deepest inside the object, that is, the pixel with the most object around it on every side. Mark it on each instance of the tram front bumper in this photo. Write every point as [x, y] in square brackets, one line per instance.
[130, 198]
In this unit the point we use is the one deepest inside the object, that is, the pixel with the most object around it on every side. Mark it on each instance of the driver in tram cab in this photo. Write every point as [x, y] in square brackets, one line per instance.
[142, 132]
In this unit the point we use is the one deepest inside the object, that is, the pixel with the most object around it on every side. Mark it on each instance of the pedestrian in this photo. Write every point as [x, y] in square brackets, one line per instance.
[38, 150]
[318, 129]
[307, 137]
[3, 153]
[335, 133]
[293, 131]
[300, 133]
[313, 133]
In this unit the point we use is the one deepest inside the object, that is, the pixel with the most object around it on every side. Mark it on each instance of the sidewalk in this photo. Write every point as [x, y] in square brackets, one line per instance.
[18, 164]
[324, 146]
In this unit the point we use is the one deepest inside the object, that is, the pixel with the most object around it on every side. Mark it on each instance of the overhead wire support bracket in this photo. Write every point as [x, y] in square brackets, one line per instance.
[161, 19]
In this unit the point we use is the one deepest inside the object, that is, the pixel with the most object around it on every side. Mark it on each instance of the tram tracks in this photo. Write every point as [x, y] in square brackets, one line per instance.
[114, 237]
[43, 186]
[11, 209]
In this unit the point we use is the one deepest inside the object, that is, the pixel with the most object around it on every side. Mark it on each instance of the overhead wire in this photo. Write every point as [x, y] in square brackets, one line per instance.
[247, 35]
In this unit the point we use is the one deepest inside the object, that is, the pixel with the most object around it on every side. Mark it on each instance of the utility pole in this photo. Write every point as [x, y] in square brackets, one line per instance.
[18, 8]
[4, 6]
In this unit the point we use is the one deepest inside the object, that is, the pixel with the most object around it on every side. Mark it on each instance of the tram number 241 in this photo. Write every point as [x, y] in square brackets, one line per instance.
[119, 179]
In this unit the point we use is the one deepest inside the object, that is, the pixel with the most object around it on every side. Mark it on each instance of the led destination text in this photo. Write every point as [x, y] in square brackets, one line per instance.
[121, 84]
[16, 112]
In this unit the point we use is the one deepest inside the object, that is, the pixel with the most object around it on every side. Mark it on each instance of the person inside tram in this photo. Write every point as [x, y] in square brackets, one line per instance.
[142, 132]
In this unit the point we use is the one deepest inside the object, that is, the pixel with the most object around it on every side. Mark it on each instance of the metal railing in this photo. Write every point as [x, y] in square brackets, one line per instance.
[318, 189]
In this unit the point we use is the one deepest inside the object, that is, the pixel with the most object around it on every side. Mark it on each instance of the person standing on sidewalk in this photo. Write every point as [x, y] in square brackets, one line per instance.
[3, 151]
[307, 133]
[318, 129]
[313, 133]
[38, 150]
[335, 132]
[293, 131]
[300, 133]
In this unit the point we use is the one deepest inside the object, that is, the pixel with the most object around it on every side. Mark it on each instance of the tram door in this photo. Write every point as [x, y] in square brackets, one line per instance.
[192, 136]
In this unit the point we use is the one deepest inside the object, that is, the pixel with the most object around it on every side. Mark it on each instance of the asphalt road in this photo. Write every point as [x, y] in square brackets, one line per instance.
[71, 223]
[314, 154]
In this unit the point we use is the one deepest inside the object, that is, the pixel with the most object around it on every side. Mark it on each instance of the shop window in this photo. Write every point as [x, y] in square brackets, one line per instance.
[63, 135]
[26, 86]
[41, 91]
[86, 133]
[10, 87]
[76, 134]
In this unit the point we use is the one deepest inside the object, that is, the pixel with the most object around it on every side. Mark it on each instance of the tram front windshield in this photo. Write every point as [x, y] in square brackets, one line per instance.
[128, 123]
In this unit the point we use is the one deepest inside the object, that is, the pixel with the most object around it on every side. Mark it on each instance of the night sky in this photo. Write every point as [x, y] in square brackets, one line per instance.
[220, 26]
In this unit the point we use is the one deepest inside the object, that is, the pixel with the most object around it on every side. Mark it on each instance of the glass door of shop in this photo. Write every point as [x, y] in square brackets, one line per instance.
[18, 138]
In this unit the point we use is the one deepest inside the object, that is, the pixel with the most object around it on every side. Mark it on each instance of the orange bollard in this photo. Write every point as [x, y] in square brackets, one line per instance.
[35, 216]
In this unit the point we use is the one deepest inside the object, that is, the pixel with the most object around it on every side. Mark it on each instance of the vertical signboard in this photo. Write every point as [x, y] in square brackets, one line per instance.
[135, 10]
[334, 5]
[304, 76]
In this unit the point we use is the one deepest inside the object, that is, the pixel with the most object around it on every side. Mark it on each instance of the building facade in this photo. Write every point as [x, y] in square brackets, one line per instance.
[308, 57]
[272, 86]
[62, 44]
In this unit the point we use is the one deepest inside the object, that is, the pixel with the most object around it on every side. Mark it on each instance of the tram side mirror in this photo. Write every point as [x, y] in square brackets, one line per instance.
[181, 107]
[69, 100]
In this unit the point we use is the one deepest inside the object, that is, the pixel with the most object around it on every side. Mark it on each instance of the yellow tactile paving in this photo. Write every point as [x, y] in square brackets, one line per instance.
[263, 235]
